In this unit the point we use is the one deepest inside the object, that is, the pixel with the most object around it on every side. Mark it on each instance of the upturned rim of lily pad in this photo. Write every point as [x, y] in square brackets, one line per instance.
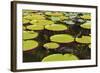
[51, 45]
[56, 27]
[62, 38]
[29, 45]
[84, 39]
[60, 57]
[29, 34]
[35, 27]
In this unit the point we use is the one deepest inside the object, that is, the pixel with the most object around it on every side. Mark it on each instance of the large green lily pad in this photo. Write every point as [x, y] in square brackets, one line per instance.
[84, 39]
[56, 27]
[86, 25]
[62, 38]
[42, 22]
[60, 57]
[86, 16]
[29, 44]
[34, 17]
[35, 27]
[58, 18]
[25, 21]
[54, 13]
[51, 45]
[29, 34]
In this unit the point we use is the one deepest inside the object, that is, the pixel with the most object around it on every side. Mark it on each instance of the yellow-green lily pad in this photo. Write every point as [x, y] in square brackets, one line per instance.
[56, 27]
[54, 13]
[62, 38]
[86, 25]
[51, 45]
[86, 16]
[29, 44]
[25, 21]
[84, 39]
[34, 17]
[41, 22]
[29, 34]
[35, 27]
[60, 57]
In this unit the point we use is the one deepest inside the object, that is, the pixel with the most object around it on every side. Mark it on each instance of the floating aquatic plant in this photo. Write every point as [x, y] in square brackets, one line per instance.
[60, 57]
[62, 38]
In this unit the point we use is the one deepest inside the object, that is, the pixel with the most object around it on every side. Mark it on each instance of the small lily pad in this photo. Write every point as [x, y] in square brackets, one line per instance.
[29, 34]
[41, 22]
[60, 57]
[29, 44]
[62, 38]
[90, 46]
[56, 27]
[35, 27]
[51, 45]
[86, 25]
[84, 39]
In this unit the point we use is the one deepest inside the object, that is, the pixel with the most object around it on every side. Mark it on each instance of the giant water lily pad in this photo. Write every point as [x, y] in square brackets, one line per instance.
[29, 34]
[86, 16]
[51, 45]
[42, 22]
[54, 13]
[60, 57]
[25, 21]
[86, 25]
[70, 22]
[35, 27]
[56, 27]
[58, 18]
[62, 38]
[29, 44]
[54, 18]
[34, 17]
[84, 39]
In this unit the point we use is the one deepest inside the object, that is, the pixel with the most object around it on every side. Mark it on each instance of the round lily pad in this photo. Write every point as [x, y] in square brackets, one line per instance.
[55, 18]
[42, 22]
[54, 13]
[25, 21]
[62, 38]
[29, 34]
[35, 27]
[34, 17]
[86, 25]
[29, 44]
[51, 45]
[84, 39]
[60, 57]
[86, 16]
[70, 22]
[56, 27]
